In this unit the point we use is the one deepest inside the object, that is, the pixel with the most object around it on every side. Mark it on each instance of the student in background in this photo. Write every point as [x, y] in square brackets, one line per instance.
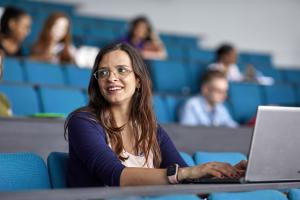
[54, 43]
[116, 141]
[15, 26]
[207, 109]
[226, 58]
[5, 108]
[142, 37]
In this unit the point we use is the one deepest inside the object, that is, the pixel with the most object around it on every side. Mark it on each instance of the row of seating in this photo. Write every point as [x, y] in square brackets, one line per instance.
[242, 103]
[27, 171]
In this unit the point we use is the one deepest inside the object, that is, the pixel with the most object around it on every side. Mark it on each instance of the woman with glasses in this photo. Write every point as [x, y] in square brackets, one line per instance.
[115, 140]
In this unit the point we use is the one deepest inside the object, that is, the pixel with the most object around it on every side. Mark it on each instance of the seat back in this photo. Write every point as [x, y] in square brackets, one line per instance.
[228, 157]
[12, 72]
[57, 163]
[22, 171]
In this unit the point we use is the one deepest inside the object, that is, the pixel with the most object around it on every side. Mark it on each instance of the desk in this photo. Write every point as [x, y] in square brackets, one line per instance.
[114, 192]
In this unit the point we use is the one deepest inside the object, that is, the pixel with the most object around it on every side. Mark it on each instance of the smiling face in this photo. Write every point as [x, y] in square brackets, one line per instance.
[116, 78]
[60, 29]
[20, 27]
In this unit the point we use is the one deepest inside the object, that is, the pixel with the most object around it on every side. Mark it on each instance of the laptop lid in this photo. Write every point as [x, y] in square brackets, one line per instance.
[275, 146]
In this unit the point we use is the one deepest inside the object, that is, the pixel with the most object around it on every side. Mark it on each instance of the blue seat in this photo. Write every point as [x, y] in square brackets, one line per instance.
[23, 98]
[61, 100]
[77, 77]
[196, 55]
[294, 194]
[57, 163]
[161, 110]
[174, 104]
[175, 53]
[187, 158]
[244, 98]
[281, 94]
[257, 59]
[22, 171]
[228, 157]
[260, 194]
[297, 89]
[12, 70]
[44, 73]
[271, 72]
[168, 76]
[195, 72]
[292, 75]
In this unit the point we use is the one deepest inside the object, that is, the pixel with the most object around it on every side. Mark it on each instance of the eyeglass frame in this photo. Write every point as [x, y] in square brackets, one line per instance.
[116, 74]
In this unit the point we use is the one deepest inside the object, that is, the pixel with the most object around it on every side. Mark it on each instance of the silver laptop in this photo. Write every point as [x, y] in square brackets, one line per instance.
[275, 147]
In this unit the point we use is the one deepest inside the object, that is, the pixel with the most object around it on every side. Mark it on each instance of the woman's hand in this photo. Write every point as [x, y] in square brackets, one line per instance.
[214, 169]
[241, 167]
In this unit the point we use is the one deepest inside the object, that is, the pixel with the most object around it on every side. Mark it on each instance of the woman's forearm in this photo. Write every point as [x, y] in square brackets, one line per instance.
[132, 176]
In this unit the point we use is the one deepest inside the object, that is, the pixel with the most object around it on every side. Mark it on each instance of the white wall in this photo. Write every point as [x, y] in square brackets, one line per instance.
[261, 25]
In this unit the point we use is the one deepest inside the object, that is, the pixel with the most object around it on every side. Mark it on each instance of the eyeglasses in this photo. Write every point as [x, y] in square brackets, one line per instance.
[119, 72]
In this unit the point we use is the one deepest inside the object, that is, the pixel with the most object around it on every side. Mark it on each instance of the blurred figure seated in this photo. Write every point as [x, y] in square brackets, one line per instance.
[226, 58]
[207, 109]
[15, 27]
[54, 42]
[5, 108]
[142, 37]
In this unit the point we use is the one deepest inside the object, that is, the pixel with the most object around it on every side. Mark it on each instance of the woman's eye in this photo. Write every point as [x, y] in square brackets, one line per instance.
[122, 70]
[103, 73]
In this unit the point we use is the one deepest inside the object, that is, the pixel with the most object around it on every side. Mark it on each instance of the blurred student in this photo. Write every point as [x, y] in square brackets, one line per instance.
[116, 141]
[15, 26]
[226, 58]
[207, 109]
[5, 108]
[142, 37]
[54, 43]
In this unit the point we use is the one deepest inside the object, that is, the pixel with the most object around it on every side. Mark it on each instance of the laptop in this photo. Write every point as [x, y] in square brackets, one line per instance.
[274, 150]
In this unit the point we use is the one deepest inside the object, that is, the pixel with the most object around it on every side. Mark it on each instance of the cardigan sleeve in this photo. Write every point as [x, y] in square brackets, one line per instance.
[88, 141]
[169, 153]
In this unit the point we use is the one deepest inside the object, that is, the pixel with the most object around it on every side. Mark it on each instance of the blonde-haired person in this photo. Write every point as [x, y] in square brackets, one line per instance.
[116, 141]
[5, 108]
[54, 43]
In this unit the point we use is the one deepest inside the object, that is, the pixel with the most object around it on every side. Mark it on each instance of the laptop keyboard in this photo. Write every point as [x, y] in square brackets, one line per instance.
[212, 180]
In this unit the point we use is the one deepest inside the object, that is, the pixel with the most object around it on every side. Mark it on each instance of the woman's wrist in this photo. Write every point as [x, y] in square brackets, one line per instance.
[182, 174]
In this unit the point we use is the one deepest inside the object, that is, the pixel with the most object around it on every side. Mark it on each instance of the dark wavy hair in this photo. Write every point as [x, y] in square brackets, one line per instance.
[134, 24]
[9, 14]
[141, 115]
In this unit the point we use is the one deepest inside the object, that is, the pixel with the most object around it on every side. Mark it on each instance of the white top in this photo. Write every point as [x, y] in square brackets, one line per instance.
[135, 160]
[233, 73]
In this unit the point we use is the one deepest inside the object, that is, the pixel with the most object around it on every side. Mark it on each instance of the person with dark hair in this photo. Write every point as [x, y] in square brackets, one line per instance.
[226, 57]
[116, 141]
[142, 37]
[15, 26]
[54, 43]
[207, 109]
[5, 108]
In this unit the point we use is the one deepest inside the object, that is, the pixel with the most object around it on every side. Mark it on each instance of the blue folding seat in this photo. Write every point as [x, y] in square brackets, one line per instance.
[260, 194]
[232, 158]
[61, 100]
[257, 59]
[195, 72]
[187, 158]
[44, 73]
[12, 70]
[22, 171]
[280, 94]
[161, 110]
[57, 163]
[174, 104]
[77, 77]
[244, 98]
[196, 55]
[294, 194]
[168, 76]
[175, 53]
[270, 72]
[292, 75]
[297, 89]
[23, 98]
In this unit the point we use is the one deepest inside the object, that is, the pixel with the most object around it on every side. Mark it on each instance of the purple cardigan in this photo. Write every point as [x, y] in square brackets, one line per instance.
[93, 163]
